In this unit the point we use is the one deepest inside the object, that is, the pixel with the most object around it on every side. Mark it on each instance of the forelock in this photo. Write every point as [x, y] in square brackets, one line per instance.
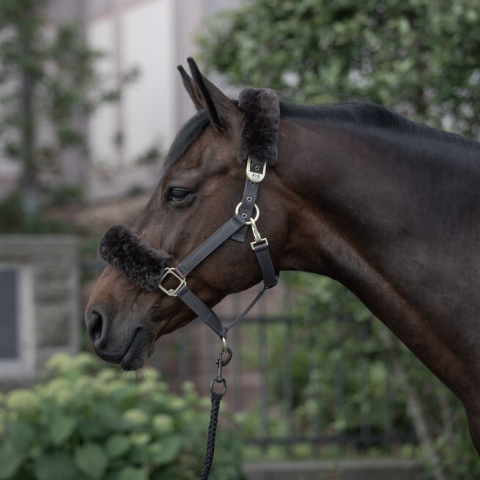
[186, 137]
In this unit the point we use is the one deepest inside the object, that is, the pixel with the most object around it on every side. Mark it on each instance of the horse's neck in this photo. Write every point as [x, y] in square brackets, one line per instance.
[395, 228]
[391, 198]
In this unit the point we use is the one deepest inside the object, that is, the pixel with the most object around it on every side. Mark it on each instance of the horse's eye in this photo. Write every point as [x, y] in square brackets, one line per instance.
[176, 194]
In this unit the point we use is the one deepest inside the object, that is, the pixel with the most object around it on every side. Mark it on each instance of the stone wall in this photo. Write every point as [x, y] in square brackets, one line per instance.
[47, 320]
[378, 469]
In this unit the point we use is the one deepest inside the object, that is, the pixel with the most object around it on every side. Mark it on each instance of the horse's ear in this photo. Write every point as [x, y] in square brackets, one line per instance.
[190, 88]
[259, 108]
[205, 95]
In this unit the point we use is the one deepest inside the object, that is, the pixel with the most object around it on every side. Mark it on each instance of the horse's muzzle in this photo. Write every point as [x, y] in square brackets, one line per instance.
[133, 256]
[131, 353]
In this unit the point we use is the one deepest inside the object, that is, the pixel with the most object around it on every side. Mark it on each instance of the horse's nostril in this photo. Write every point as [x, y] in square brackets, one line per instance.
[95, 327]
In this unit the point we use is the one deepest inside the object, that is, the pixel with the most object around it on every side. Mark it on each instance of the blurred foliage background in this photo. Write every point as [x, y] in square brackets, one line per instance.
[417, 56]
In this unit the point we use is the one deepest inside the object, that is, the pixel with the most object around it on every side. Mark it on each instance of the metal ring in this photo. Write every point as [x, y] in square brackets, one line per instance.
[218, 380]
[257, 213]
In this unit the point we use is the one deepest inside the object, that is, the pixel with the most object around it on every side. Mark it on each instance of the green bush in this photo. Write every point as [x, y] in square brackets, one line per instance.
[84, 421]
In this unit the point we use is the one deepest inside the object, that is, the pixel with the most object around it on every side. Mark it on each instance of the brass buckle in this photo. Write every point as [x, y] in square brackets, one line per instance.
[255, 177]
[172, 292]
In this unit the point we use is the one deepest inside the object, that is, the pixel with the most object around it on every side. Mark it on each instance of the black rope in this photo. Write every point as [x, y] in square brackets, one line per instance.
[216, 398]
[212, 432]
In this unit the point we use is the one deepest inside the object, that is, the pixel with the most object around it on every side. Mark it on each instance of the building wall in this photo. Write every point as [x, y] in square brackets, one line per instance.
[136, 34]
[43, 317]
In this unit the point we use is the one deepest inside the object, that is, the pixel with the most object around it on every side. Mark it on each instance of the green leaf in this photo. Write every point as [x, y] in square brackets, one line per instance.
[55, 466]
[22, 435]
[117, 445]
[165, 451]
[92, 460]
[128, 473]
[61, 428]
[89, 428]
[10, 461]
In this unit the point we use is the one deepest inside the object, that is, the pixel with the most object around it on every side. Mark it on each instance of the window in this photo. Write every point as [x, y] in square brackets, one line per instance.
[17, 328]
[8, 313]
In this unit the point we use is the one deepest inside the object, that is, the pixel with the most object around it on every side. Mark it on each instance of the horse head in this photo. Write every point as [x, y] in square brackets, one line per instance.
[201, 183]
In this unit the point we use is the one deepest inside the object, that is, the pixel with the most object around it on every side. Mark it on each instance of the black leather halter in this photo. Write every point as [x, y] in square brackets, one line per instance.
[236, 229]
[144, 265]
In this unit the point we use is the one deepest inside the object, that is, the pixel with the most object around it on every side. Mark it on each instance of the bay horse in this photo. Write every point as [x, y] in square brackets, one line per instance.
[387, 207]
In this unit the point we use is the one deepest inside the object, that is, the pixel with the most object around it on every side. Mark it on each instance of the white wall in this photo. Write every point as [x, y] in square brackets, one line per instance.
[149, 103]
[103, 125]
[135, 34]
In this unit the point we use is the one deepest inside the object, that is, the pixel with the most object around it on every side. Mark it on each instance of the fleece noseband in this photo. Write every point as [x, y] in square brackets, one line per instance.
[147, 267]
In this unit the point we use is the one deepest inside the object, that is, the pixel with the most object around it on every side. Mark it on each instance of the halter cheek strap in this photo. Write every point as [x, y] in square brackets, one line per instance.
[230, 229]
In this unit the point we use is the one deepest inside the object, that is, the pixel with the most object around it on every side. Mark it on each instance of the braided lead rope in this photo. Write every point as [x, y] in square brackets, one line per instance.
[212, 432]
[216, 399]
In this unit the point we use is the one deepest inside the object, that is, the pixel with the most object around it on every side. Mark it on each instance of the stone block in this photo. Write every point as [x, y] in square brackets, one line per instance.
[336, 470]
[53, 325]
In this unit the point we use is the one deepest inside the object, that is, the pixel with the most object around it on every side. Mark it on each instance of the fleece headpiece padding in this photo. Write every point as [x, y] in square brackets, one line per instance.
[134, 257]
[261, 121]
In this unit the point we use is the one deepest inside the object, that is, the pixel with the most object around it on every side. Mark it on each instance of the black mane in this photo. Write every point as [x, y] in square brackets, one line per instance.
[368, 114]
[352, 113]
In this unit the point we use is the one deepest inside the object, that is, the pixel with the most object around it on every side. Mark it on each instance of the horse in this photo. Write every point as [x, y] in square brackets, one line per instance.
[352, 191]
